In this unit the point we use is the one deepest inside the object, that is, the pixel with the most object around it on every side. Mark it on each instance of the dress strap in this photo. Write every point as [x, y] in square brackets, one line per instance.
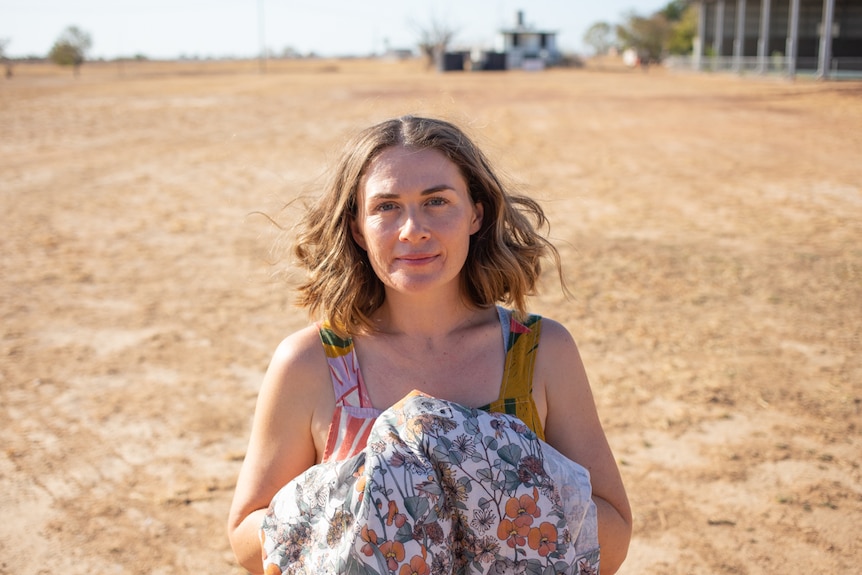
[347, 381]
[516, 392]
[522, 342]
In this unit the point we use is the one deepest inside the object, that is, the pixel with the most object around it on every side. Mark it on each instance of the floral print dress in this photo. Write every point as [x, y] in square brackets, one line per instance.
[439, 488]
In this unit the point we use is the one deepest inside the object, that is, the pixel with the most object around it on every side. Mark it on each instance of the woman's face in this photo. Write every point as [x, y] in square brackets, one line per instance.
[415, 219]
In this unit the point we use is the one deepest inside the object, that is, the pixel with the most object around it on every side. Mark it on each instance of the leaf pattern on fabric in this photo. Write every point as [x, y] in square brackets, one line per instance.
[439, 489]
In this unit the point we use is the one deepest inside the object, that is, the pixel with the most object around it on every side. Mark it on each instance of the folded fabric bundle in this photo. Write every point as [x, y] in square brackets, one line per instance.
[440, 488]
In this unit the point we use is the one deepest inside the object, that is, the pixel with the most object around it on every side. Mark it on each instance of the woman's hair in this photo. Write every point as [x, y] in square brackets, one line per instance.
[503, 262]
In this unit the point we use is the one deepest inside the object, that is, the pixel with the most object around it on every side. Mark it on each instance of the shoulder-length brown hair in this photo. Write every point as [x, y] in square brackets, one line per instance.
[503, 262]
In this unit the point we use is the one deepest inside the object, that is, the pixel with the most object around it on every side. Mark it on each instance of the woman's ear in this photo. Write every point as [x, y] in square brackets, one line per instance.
[478, 214]
[356, 232]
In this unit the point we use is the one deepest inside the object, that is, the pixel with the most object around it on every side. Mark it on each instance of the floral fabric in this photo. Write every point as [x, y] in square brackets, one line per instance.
[439, 489]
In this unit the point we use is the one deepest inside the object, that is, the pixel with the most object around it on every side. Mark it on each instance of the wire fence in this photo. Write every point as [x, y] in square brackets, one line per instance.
[840, 68]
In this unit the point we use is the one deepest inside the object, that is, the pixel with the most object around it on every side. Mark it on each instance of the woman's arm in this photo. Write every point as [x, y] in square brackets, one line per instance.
[282, 445]
[573, 427]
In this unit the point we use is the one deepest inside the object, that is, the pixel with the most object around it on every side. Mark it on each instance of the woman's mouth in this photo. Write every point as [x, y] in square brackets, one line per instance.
[416, 259]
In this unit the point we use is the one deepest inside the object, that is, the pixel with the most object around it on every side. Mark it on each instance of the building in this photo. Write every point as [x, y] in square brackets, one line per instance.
[527, 47]
[821, 36]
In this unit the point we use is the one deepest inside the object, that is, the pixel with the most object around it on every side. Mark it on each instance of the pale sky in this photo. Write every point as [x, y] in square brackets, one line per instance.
[215, 28]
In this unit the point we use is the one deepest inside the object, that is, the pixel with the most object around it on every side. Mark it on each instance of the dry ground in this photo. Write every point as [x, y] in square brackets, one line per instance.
[710, 228]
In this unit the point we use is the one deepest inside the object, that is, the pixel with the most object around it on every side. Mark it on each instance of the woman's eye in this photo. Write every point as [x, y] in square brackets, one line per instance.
[385, 207]
[437, 202]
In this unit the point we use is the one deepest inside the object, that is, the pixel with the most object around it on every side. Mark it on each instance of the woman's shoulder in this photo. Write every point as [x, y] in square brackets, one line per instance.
[557, 352]
[297, 380]
[552, 332]
[555, 333]
[300, 353]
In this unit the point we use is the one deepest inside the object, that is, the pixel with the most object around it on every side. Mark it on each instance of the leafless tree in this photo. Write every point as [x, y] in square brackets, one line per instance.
[598, 37]
[434, 38]
[7, 63]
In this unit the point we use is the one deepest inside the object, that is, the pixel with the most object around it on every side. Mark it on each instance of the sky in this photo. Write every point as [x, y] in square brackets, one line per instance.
[240, 28]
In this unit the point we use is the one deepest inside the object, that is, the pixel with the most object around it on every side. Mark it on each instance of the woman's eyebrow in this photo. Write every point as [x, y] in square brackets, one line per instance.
[437, 188]
[425, 192]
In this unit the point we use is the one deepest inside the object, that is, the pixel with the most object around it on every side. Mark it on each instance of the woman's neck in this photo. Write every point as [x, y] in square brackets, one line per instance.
[426, 318]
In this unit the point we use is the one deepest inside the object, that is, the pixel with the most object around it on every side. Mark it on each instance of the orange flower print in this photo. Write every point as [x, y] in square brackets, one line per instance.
[393, 516]
[512, 533]
[523, 509]
[370, 538]
[543, 539]
[417, 566]
[272, 569]
[393, 552]
[361, 480]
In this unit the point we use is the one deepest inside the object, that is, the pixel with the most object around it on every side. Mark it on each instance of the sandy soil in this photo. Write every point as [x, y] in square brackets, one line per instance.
[710, 228]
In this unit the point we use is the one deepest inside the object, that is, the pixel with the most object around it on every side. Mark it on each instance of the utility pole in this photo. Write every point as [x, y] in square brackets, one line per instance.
[262, 35]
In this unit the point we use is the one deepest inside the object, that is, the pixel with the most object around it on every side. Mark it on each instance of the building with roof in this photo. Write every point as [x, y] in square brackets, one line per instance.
[527, 47]
[520, 47]
[823, 37]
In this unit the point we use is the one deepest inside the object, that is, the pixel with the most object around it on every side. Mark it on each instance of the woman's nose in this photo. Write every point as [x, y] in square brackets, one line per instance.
[413, 227]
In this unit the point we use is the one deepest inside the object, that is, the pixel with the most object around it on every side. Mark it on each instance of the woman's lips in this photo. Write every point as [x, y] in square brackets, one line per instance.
[417, 259]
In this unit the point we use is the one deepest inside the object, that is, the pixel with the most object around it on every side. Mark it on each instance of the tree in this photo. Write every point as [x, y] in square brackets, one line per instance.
[6, 62]
[674, 10]
[647, 36]
[670, 30]
[683, 31]
[71, 48]
[598, 37]
[433, 40]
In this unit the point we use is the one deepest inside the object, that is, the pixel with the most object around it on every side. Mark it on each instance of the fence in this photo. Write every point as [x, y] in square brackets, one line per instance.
[844, 67]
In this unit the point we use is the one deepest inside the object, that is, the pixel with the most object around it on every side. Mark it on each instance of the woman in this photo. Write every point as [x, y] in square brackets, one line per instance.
[408, 253]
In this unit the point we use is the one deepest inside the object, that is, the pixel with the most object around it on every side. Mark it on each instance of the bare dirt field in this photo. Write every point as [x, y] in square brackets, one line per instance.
[711, 233]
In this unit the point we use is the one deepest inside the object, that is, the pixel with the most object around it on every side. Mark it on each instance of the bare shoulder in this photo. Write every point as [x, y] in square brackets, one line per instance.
[556, 336]
[558, 358]
[300, 350]
[297, 381]
[561, 387]
[296, 363]
[296, 351]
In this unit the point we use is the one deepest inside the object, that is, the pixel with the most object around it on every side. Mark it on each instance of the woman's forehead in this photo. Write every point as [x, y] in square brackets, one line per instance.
[400, 167]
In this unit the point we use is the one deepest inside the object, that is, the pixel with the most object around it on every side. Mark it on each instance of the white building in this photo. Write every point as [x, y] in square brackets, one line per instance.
[527, 47]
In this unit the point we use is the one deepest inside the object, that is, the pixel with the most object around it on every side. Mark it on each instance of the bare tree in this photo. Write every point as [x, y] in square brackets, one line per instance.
[7, 63]
[434, 38]
[71, 48]
[598, 37]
